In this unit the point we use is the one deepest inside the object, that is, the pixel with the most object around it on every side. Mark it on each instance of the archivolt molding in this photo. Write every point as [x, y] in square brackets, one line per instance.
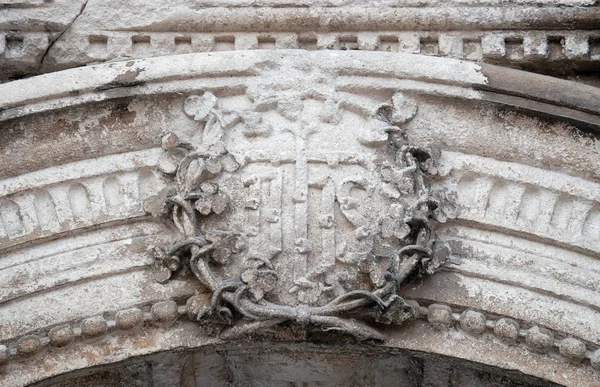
[68, 198]
[213, 71]
[542, 34]
[450, 326]
[527, 230]
[245, 261]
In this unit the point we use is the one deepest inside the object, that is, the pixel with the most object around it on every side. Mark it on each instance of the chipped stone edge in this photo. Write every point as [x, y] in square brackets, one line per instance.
[189, 72]
[440, 317]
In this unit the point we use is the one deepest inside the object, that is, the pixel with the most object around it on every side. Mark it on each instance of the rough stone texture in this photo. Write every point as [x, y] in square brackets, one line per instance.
[296, 365]
[440, 316]
[540, 339]
[43, 36]
[93, 326]
[507, 329]
[502, 193]
[310, 114]
[130, 318]
[61, 336]
[472, 322]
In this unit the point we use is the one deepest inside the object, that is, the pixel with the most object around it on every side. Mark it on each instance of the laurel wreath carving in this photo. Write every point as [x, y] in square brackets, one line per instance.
[241, 304]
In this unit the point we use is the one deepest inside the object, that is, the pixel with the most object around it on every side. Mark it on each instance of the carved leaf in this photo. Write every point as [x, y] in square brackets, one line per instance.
[290, 108]
[195, 174]
[168, 162]
[229, 119]
[170, 141]
[219, 202]
[376, 133]
[157, 205]
[379, 269]
[221, 255]
[229, 163]
[259, 281]
[200, 107]
[213, 132]
[396, 312]
[402, 230]
[330, 112]
[404, 109]
[203, 205]
[255, 126]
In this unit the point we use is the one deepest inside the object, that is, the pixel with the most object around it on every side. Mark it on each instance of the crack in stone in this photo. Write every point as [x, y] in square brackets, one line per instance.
[41, 66]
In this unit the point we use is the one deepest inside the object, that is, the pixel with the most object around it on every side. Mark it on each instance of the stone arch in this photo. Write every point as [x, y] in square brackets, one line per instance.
[517, 292]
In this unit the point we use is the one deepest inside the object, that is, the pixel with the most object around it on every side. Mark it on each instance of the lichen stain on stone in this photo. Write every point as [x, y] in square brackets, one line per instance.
[89, 356]
[48, 367]
[127, 79]
[119, 115]
[144, 342]
[445, 286]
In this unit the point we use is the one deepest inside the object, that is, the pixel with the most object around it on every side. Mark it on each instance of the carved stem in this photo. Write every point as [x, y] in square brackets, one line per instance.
[333, 309]
[202, 272]
[353, 327]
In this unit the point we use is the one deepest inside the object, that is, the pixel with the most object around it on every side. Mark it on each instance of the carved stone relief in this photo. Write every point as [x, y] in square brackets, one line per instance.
[307, 206]
[301, 199]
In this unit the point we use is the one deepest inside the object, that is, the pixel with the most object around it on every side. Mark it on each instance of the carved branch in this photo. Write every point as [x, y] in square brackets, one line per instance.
[244, 303]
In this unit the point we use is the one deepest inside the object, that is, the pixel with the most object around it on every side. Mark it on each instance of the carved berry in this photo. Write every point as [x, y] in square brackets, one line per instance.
[28, 345]
[572, 349]
[539, 339]
[472, 322]
[507, 329]
[61, 336]
[129, 318]
[439, 316]
[165, 311]
[94, 326]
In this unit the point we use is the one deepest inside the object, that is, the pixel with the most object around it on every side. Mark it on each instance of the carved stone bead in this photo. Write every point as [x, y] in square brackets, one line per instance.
[165, 311]
[129, 318]
[572, 349]
[3, 354]
[539, 339]
[61, 336]
[595, 359]
[472, 322]
[507, 329]
[28, 345]
[440, 316]
[94, 326]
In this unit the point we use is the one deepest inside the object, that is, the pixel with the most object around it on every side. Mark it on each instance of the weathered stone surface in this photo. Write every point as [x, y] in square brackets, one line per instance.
[264, 365]
[507, 329]
[572, 349]
[472, 322]
[317, 187]
[53, 35]
[539, 338]
[93, 326]
[61, 336]
[440, 316]
[29, 345]
[129, 318]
